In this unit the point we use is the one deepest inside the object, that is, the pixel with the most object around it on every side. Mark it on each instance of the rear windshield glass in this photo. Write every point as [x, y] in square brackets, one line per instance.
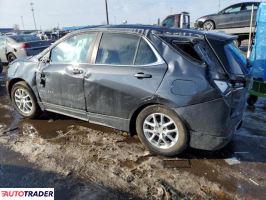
[230, 56]
[235, 58]
[24, 38]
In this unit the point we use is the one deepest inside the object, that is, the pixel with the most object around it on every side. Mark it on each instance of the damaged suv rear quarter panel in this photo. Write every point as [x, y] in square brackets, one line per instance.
[186, 82]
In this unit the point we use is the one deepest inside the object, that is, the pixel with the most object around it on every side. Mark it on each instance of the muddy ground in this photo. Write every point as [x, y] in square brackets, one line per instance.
[85, 161]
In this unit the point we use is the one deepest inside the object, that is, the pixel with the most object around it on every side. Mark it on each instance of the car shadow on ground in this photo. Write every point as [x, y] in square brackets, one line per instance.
[244, 147]
[16, 172]
[66, 187]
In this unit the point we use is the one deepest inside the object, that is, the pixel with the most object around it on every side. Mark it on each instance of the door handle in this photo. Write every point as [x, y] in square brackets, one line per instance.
[77, 71]
[141, 75]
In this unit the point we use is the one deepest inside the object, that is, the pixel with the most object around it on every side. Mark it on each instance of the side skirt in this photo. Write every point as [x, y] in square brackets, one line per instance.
[109, 121]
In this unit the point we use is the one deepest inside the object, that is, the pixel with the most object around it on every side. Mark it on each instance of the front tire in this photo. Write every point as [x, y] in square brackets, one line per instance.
[11, 57]
[24, 100]
[208, 25]
[161, 131]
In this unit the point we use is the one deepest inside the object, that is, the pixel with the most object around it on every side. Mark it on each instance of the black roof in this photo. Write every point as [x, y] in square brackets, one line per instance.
[158, 30]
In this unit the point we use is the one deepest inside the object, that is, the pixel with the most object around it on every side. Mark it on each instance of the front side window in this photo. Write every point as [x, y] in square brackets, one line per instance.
[117, 49]
[74, 49]
[233, 9]
[145, 54]
[169, 22]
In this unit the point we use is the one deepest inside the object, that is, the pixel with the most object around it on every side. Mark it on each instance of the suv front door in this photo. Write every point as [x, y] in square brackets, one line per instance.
[126, 73]
[60, 79]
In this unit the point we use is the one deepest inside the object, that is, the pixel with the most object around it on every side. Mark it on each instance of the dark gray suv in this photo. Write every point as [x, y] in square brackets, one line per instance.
[174, 87]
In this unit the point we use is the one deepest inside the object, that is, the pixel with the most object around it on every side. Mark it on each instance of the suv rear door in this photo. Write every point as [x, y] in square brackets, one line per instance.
[126, 73]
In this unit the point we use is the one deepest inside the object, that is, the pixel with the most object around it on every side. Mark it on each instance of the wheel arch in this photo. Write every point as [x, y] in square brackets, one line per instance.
[133, 118]
[7, 54]
[13, 82]
[134, 115]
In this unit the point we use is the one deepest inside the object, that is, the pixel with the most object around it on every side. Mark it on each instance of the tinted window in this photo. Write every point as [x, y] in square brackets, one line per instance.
[236, 59]
[117, 49]
[233, 9]
[187, 49]
[74, 49]
[24, 38]
[145, 55]
[248, 6]
[169, 22]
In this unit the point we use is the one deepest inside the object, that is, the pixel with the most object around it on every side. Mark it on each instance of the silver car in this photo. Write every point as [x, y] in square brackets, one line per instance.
[17, 46]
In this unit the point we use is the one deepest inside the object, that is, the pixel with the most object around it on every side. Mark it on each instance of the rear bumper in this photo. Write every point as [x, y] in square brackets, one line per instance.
[211, 124]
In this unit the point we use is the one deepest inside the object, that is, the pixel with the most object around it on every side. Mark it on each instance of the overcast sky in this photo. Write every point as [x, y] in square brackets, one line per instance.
[50, 13]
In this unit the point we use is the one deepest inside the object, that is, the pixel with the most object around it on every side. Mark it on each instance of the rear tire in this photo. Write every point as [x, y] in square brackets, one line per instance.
[155, 126]
[251, 100]
[24, 100]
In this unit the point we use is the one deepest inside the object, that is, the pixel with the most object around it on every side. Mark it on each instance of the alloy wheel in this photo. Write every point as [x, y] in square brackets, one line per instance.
[160, 130]
[23, 100]
[208, 26]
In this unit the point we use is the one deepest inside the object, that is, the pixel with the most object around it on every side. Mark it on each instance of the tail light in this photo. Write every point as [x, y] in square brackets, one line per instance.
[24, 46]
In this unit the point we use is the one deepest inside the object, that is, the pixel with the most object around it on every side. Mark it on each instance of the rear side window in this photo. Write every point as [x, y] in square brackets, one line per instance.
[145, 54]
[248, 6]
[117, 49]
[187, 48]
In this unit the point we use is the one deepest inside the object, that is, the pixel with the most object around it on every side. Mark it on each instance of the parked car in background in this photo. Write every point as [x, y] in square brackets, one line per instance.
[235, 16]
[17, 46]
[174, 87]
[1, 66]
